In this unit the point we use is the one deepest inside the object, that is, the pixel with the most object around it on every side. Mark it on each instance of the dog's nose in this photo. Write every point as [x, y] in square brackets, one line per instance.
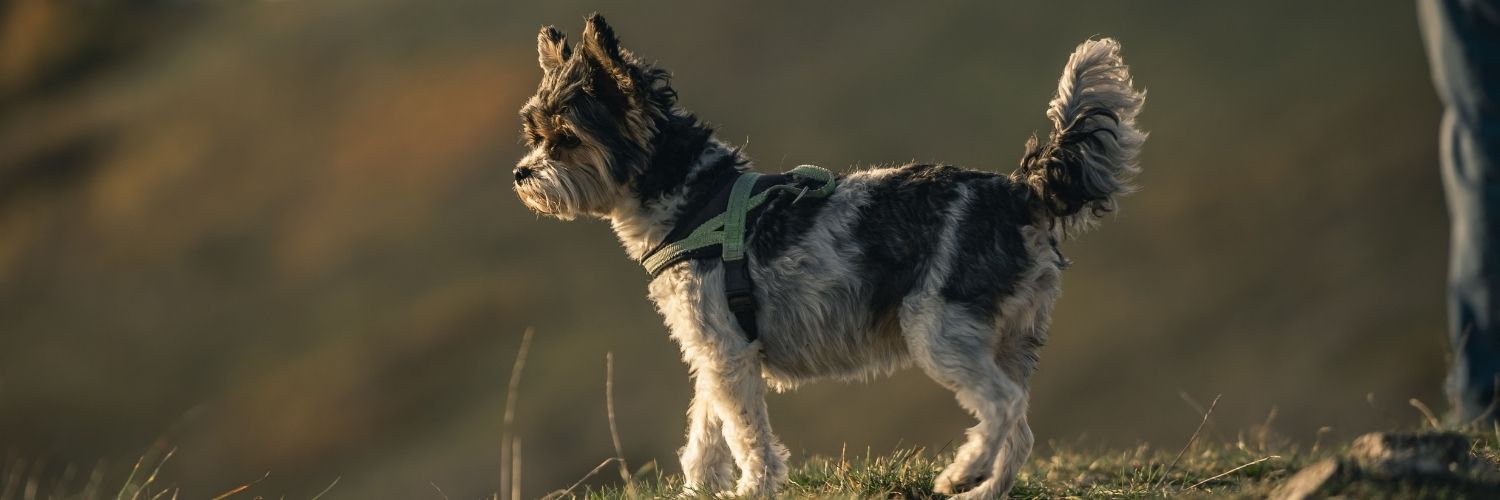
[522, 173]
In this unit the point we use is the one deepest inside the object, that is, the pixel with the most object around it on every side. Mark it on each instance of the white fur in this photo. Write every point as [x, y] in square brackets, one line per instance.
[814, 315]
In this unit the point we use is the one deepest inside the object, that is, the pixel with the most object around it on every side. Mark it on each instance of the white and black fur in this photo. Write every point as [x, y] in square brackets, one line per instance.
[952, 270]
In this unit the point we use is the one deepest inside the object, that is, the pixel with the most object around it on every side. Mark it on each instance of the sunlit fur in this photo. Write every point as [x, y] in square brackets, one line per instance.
[953, 271]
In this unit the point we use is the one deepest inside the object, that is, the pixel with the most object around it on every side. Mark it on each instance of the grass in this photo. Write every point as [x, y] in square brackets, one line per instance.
[1136, 473]
[1245, 468]
[1249, 467]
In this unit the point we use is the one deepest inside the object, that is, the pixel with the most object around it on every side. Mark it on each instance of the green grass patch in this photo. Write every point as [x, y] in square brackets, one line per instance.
[1240, 469]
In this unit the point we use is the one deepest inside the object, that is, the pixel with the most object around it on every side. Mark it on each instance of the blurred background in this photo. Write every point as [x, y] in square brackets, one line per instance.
[280, 237]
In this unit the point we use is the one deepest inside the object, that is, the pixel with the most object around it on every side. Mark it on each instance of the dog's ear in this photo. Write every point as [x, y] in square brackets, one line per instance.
[552, 48]
[603, 48]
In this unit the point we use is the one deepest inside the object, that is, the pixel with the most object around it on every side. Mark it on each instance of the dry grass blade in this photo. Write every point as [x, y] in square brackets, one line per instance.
[564, 492]
[32, 480]
[232, 492]
[241, 488]
[170, 489]
[609, 408]
[1167, 472]
[328, 489]
[1213, 430]
[439, 490]
[152, 478]
[1488, 410]
[512, 389]
[1231, 471]
[1432, 419]
[515, 469]
[130, 478]
[1318, 439]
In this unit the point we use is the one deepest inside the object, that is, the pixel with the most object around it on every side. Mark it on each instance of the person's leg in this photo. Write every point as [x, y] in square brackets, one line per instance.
[1463, 46]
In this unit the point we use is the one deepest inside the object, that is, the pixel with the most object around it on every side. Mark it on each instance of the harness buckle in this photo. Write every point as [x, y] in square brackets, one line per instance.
[737, 286]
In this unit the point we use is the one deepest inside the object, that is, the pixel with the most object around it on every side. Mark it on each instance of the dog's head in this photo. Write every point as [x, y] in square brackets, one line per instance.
[592, 124]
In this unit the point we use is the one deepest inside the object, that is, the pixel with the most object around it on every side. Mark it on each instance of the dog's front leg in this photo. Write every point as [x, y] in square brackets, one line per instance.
[734, 384]
[707, 465]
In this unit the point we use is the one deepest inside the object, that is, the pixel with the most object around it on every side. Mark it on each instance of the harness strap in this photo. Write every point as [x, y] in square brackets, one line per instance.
[727, 230]
[738, 289]
[734, 223]
[711, 232]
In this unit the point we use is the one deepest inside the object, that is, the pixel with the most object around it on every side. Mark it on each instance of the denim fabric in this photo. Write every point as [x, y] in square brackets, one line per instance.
[1463, 47]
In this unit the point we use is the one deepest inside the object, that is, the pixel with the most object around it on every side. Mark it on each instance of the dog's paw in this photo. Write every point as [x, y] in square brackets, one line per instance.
[988, 489]
[710, 479]
[763, 488]
[952, 482]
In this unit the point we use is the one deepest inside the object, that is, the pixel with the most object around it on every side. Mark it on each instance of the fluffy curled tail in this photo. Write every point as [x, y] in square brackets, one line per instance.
[1089, 157]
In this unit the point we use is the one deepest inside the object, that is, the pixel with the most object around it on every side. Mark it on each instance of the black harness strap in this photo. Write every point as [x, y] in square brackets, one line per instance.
[741, 294]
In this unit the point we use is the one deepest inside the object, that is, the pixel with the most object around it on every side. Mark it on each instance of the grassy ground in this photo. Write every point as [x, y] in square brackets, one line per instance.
[1245, 468]
[1251, 466]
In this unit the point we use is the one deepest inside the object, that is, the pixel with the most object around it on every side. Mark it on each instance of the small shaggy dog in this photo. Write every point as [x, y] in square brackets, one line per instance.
[952, 270]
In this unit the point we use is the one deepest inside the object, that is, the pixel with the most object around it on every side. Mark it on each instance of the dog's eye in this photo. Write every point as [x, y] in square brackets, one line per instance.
[567, 140]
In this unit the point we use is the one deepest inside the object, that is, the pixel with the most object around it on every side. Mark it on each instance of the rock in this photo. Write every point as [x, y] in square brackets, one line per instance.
[1388, 463]
[1314, 481]
[1401, 454]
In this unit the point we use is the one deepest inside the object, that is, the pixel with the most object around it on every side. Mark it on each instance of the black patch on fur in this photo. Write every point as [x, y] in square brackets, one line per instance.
[601, 120]
[898, 230]
[782, 224]
[990, 253]
[1067, 188]
[704, 185]
[680, 141]
[603, 88]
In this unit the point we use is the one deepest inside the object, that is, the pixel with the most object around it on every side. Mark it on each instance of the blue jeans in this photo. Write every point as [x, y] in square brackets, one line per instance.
[1463, 46]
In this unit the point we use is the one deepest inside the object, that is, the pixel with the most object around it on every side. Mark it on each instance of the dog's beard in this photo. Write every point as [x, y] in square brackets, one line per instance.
[567, 190]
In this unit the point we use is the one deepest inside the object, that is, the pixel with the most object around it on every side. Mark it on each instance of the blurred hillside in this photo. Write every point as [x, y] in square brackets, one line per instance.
[280, 235]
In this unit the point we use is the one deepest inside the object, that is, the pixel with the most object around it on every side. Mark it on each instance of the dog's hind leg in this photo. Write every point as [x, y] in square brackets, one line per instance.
[957, 351]
[707, 465]
[1017, 357]
[1017, 448]
[1023, 331]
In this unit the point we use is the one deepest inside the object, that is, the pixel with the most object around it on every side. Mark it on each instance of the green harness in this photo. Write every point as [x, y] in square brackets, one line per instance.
[727, 230]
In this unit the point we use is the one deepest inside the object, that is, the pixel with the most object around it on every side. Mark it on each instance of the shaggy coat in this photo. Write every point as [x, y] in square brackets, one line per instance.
[954, 271]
